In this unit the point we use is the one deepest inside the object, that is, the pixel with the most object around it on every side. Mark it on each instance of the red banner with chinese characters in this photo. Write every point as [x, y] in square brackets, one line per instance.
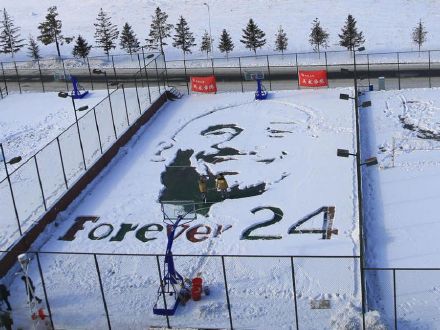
[204, 84]
[313, 78]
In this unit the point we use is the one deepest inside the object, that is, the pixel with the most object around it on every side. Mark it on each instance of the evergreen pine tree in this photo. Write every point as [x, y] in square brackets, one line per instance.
[206, 44]
[281, 40]
[226, 45]
[318, 36]
[128, 41]
[159, 31]
[81, 48]
[33, 48]
[253, 37]
[10, 41]
[50, 30]
[419, 34]
[350, 37]
[183, 38]
[106, 33]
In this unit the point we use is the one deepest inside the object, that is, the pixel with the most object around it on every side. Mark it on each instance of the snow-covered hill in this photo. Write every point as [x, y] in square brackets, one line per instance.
[387, 25]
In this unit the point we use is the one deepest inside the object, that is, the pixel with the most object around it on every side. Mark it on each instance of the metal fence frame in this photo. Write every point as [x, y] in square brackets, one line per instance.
[224, 275]
[140, 78]
[427, 63]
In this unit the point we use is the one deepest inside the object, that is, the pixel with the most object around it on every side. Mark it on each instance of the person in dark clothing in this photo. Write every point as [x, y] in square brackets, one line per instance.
[6, 320]
[4, 294]
[30, 289]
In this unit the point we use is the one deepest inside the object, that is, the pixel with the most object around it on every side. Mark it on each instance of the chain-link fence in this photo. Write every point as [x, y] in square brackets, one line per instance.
[32, 188]
[406, 298]
[56, 74]
[399, 69]
[87, 290]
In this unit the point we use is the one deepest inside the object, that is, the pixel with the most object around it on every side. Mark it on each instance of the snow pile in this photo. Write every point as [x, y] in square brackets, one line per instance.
[351, 319]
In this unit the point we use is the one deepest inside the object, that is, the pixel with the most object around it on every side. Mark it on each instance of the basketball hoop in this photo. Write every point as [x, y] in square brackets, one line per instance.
[175, 213]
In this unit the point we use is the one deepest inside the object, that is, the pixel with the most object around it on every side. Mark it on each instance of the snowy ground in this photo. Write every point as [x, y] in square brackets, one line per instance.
[295, 17]
[401, 202]
[280, 153]
[27, 130]
[29, 121]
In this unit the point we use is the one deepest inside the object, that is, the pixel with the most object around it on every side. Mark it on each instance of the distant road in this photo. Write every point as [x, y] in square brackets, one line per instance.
[231, 78]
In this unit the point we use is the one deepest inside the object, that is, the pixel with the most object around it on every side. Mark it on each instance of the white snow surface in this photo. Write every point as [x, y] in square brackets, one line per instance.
[387, 25]
[401, 194]
[401, 202]
[30, 124]
[298, 181]
[29, 121]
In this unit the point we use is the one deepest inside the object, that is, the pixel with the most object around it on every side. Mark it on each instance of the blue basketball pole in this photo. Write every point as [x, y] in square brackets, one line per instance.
[171, 277]
[261, 93]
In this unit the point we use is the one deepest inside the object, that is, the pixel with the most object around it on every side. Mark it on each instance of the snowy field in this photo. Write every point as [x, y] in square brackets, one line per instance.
[30, 124]
[279, 157]
[401, 202]
[295, 17]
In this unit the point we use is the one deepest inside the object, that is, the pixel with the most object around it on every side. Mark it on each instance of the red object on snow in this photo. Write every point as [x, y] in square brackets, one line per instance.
[204, 84]
[317, 78]
[197, 281]
[196, 293]
[196, 289]
[39, 314]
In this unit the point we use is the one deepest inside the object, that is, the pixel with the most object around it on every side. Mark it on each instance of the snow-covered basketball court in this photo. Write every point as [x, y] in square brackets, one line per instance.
[279, 158]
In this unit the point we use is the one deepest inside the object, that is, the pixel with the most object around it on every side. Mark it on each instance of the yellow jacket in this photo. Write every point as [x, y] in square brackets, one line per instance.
[221, 184]
[202, 186]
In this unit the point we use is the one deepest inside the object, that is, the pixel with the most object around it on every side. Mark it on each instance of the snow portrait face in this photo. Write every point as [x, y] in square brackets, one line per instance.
[249, 147]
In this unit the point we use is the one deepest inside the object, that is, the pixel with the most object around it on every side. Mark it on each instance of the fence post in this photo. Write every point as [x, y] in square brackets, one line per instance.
[62, 162]
[140, 66]
[39, 181]
[90, 73]
[395, 299]
[65, 76]
[163, 290]
[164, 73]
[186, 77]
[11, 190]
[368, 69]
[326, 68]
[4, 78]
[44, 289]
[97, 129]
[111, 109]
[294, 291]
[429, 68]
[268, 69]
[157, 75]
[297, 68]
[398, 68]
[114, 69]
[102, 291]
[227, 292]
[146, 76]
[125, 103]
[241, 75]
[212, 66]
[137, 95]
[41, 75]
[18, 77]
[139, 61]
